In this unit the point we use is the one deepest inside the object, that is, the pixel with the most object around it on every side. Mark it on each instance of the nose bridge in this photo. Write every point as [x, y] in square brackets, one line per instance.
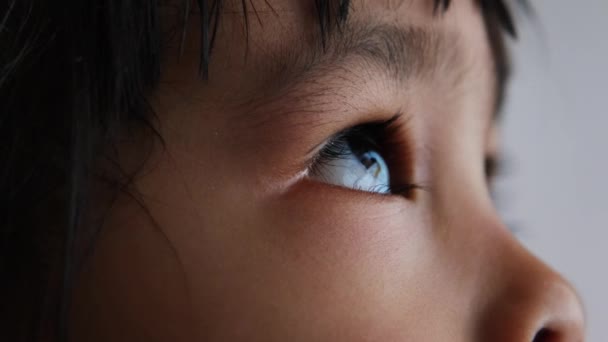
[528, 301]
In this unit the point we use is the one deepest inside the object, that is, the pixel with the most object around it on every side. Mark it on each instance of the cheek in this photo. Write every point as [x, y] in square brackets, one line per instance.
[340, 226]
[342, 263]
[315, 263]
[131, 287]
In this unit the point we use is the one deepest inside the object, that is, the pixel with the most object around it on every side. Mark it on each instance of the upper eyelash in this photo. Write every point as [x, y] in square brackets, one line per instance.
[338, 145]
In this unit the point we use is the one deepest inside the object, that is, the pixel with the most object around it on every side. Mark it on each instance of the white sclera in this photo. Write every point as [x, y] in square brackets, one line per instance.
[365, 172]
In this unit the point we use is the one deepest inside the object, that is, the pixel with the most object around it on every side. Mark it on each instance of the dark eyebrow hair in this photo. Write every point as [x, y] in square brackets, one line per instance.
[399, 52]
[384, 44]
[333, 14]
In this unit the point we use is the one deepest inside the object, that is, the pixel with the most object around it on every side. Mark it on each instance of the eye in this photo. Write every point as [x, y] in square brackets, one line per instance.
[492, 167]
[352, 164]
[360, 158]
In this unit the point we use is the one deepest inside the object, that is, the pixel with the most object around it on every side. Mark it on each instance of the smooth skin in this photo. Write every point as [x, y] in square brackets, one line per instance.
[230, 239]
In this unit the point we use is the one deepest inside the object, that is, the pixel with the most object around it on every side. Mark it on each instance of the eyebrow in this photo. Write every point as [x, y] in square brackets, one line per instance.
[401, 53]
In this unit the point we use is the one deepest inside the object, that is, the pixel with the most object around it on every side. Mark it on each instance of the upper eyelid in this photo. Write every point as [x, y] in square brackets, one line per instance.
[344, 133]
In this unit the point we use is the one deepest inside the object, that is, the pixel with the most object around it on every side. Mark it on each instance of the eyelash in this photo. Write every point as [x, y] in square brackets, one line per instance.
[381, 136]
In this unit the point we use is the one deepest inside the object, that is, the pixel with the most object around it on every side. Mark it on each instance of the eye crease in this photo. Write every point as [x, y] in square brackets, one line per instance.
[368, 158]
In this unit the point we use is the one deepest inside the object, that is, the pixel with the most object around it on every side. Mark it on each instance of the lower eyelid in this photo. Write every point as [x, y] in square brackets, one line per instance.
[307, 184]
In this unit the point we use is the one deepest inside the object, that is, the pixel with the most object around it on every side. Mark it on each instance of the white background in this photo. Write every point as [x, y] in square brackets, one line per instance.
[555, 132]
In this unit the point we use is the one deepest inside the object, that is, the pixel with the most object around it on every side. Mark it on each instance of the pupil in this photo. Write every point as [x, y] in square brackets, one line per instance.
[367, 161]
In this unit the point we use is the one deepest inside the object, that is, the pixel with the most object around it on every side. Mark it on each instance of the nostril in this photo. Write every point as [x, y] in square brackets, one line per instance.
[544, 335]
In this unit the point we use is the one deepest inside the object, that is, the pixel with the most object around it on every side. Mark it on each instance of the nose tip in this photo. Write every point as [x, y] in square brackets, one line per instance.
[530, 302]
[536, 310]
[561, 318]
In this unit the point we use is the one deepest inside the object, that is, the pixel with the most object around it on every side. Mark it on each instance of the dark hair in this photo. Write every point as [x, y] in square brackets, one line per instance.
[71, 77]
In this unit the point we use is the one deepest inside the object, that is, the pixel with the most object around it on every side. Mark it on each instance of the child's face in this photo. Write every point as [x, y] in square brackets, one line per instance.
[243, 239]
